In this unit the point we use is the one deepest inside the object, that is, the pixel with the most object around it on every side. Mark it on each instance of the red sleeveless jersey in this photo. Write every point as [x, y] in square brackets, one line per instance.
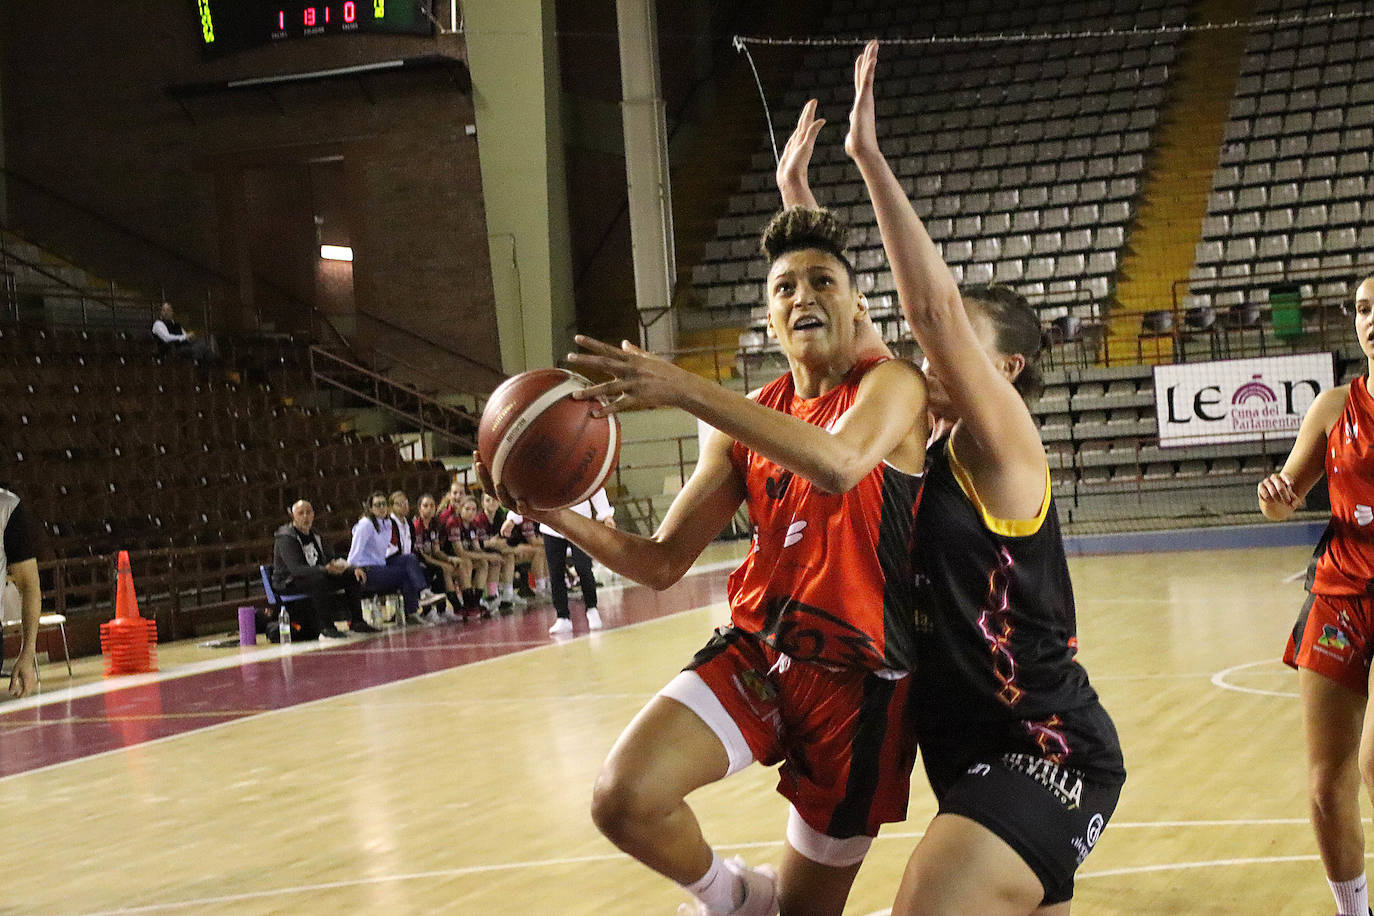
[828, 578]
[1345, 554]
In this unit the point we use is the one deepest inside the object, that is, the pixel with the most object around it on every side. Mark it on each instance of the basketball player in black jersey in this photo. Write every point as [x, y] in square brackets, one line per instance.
[1023, 759]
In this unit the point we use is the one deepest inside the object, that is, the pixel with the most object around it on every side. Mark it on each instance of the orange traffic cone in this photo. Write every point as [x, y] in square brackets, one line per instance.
[129, 642]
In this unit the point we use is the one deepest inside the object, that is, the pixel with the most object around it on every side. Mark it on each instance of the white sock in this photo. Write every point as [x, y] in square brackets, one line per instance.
[1352, 897]
[719, 889]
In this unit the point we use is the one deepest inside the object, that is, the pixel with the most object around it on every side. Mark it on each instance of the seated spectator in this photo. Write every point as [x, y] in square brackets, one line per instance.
[442, 571]
[432, 547]
[173, 339]
[465, 540]
[303, 565]
[402, 537]
[376, 547]
[502, 558]
[513, 537]
[19, 561]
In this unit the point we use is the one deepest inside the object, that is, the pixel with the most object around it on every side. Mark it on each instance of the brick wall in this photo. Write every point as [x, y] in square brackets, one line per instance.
[229, 183]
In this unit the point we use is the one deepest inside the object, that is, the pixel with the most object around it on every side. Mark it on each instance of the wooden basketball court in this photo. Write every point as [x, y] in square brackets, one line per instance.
[319, 782]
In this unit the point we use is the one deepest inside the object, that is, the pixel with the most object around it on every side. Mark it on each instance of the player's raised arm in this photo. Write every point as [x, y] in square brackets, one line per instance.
[1006, 443]
[795, 160]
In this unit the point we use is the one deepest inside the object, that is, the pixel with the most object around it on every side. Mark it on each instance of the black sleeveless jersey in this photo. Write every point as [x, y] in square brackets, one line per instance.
[995, 671]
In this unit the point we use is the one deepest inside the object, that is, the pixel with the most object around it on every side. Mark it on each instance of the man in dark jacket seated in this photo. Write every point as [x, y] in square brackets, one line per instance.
[303, 565]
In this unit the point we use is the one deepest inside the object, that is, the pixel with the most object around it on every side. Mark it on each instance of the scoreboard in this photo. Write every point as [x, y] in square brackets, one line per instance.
[232, 25]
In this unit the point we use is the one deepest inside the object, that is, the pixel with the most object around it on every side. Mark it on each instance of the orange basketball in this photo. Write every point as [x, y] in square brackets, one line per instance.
[542, 445]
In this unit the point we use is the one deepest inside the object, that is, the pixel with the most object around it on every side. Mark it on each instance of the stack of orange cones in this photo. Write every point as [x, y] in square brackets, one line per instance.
[129, 642]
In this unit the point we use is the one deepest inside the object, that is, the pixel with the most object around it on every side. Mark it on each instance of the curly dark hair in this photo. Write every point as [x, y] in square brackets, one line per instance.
[1018, 330]
[797, 228]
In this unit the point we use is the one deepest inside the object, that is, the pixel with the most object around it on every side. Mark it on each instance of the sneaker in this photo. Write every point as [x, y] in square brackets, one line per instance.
[413, 620]
[332, 633]
[431, 618]
[447, 616]
[362, 626]
[514, 600]
[525, 592]
[760, 893]
[561, 626]
[428, 598]
[593, 619]
[491, 603]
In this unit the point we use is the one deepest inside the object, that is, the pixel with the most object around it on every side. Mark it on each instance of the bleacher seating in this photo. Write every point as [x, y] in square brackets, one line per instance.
[118, 450]
[1289, 201]
[1025, 158]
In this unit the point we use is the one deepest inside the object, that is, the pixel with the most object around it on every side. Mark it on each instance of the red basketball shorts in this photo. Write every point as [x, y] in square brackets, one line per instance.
[1332, 638]
[846, 756]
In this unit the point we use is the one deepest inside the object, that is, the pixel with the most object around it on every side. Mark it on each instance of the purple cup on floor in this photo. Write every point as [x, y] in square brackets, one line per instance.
[248, 626]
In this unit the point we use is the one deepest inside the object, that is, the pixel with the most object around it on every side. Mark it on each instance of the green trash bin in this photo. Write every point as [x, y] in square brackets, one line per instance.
[1285, 311]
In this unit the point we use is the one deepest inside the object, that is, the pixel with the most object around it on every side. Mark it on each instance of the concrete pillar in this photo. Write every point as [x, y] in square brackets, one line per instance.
[513, 56]
[646, 170]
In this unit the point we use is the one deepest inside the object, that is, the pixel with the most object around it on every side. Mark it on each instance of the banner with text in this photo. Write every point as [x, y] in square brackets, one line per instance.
[1238, 400]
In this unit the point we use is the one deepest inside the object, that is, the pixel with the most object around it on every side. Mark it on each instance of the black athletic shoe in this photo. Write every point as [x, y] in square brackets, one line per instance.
[332, 633]
[362, 626]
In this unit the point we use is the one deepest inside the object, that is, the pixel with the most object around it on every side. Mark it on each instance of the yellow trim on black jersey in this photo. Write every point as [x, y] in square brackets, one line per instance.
[1006, 527]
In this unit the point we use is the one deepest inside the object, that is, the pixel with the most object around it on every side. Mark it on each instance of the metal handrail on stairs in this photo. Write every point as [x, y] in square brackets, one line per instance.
[452, 424]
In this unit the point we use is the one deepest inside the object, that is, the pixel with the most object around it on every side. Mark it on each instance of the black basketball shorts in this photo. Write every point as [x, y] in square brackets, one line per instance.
[1050, 814]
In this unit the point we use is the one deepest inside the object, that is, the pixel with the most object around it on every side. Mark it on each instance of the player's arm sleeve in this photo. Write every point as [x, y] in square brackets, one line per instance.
[20, 544]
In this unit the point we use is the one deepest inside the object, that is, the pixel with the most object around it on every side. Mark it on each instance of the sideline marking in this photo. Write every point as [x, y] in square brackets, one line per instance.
[767, 844]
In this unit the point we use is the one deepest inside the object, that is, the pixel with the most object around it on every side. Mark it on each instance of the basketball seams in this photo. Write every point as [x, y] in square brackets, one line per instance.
[612, 453]
[532, 412]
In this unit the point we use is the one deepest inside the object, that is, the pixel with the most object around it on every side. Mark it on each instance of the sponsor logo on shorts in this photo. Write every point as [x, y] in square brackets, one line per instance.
[1084, 844]
[1333, 638]
[1061, 782]
[759, 686]
[760, 695]
[979, 769]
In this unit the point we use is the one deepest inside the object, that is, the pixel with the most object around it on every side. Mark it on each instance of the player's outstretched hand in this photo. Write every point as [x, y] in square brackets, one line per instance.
[862, 139]
[1278, 488]
[795, 160]
[641, 380]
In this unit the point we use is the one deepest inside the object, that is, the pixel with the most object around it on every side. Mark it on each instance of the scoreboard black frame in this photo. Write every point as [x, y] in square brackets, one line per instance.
[227, 26]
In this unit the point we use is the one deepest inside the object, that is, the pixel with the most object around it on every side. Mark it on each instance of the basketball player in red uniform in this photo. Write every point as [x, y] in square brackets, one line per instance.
[1333, 639]
[1024, 761]
[812, 671]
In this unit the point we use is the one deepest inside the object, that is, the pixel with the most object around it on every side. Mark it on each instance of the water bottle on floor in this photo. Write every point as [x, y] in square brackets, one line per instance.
[284, 626]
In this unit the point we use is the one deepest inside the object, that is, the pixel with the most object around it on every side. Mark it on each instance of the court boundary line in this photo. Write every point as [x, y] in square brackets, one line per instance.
[764, 844]
[551, 644]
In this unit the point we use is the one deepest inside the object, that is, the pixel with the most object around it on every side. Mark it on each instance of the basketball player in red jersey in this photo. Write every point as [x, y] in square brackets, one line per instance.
[812, 670]
[1024, 761]
[1331, 644]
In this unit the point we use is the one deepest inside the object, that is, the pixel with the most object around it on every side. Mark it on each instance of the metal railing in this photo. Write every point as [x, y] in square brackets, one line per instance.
[427, 415]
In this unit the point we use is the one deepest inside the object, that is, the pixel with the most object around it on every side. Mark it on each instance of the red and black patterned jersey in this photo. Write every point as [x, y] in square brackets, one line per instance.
[1345, 554]
[828, 576]
[996, 671]
[428, 537]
